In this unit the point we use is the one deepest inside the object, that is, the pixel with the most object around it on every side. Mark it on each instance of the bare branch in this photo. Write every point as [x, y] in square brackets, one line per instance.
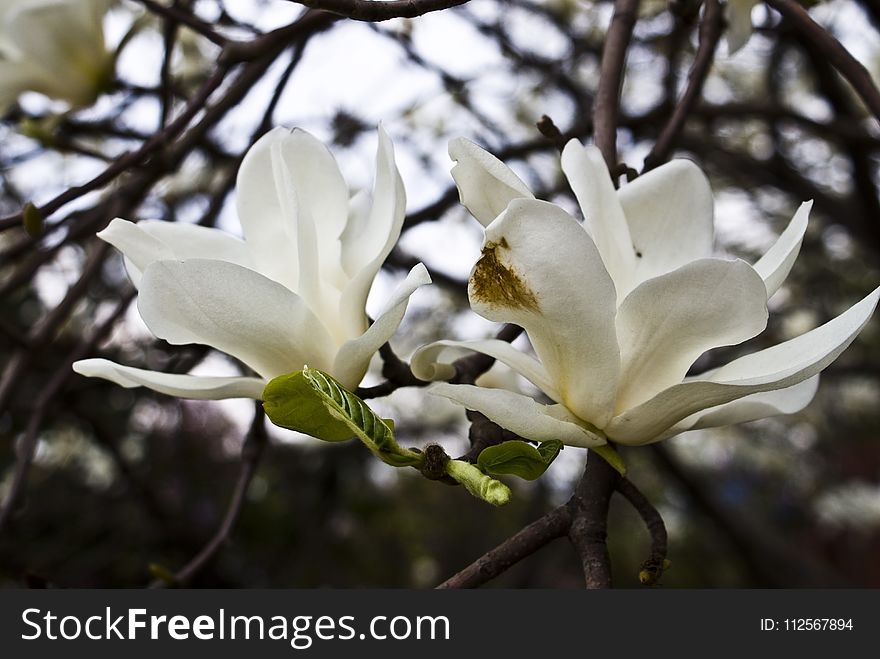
[251, 452]
[819, 38]
[373, 11]
[552, 525]
[589, 522]
[710, 33]
[607, 106]
[652, 568]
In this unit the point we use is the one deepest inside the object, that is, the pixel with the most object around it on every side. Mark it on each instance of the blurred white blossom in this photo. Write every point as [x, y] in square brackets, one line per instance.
[55, 47]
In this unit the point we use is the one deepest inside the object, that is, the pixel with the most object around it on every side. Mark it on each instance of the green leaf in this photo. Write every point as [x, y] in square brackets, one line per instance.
[612, 457]
[350, 410]
[518, 458]
[292, 402]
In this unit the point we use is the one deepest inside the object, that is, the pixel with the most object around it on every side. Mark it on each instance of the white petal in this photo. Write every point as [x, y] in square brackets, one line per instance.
[739, 23]
[776, 263]
[756, 406]
[235, 310]
[434, 361]
[354, 356]
[588, 177]
[173, 384]
[485, 184]
[778, 367]
[369, 238]
[154, 240]
[666, 323]
[669, 211]
[520, 414]
[540, 270]
[293, 204]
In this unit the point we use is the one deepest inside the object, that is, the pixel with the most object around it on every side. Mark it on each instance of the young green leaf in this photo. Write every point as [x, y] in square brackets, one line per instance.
[518, 458]
[292, 402]
[350, 410]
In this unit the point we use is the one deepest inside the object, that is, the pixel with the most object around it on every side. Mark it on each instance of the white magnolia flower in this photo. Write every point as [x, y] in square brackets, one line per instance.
[738, 14]
[291, 294]
[55, 47]
[619, 309]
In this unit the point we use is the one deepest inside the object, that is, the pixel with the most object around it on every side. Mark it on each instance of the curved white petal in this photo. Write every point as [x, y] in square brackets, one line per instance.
[155, 240]
[369, 238]
[434, 362]
[591, 182]
[173, 384]
[776, 263]
[739, 23]
[666, 323]
[235, 310]
[540, 270]
[778, 367]
[293, 204]
[669, 211]
[354, 356]
[750, 408]
[520, 414]
[485, 184]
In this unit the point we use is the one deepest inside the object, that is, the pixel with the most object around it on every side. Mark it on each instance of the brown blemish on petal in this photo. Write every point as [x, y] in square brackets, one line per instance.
[493, 282]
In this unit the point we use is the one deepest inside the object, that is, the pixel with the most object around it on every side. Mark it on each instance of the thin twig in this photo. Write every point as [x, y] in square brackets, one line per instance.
[526, 542]
[820, 39]
[131, 159]
[710, 33]
[372, 11]
[251, 452]
[607, 105]
[652, 569]
[189, 19]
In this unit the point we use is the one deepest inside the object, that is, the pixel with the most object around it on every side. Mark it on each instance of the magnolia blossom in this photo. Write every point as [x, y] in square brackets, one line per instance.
[291, 294]
[55, 47]
[620, 307]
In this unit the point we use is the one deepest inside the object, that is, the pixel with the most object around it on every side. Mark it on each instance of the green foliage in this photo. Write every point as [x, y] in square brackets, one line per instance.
[518, 458]
[292, 402]
[313, 402]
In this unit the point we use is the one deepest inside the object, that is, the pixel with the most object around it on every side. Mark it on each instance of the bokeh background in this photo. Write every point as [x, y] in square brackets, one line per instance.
[124, 479]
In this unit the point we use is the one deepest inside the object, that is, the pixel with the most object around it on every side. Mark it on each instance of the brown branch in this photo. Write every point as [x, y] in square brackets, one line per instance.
[131, 159]
[607, 105]
[710, 33]
[251, 452]
[818, 38]
[652, 569]
[526, 542]
[177, 15]
[589, 521]
[374, 11]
